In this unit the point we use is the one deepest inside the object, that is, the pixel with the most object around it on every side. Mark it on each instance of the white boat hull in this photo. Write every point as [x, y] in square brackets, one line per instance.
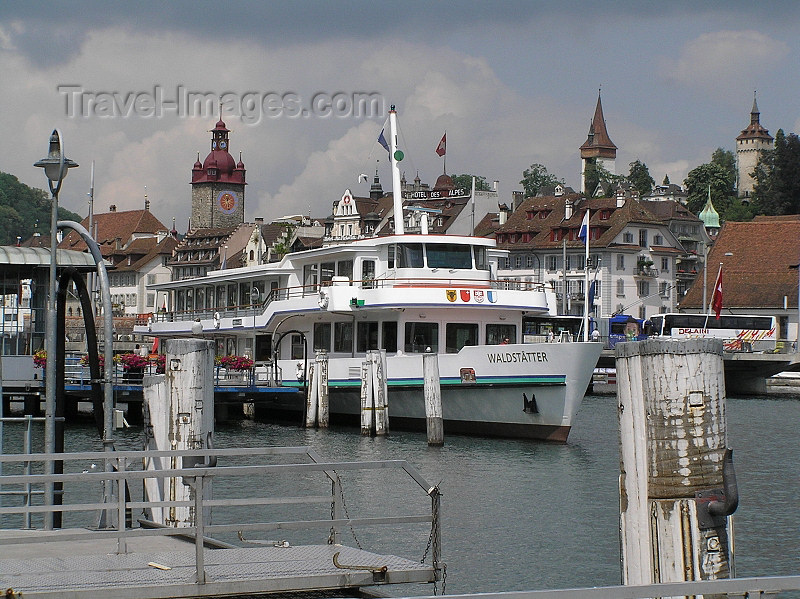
[519, 391]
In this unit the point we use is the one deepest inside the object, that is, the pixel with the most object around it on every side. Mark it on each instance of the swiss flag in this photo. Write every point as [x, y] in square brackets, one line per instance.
[716, 299]
[441, 149]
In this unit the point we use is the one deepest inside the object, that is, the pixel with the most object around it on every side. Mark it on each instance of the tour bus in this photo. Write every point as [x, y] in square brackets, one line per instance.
[623, 327]
[739, 332]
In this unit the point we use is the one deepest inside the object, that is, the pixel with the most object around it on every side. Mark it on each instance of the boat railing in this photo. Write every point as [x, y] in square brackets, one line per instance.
[387, 280]
[311, 497]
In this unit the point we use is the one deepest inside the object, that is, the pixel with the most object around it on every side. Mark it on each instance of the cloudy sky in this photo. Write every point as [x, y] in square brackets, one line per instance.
[513, 83]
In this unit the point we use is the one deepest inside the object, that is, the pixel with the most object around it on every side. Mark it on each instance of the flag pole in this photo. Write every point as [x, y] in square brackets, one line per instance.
[713, 295]
[586, 283]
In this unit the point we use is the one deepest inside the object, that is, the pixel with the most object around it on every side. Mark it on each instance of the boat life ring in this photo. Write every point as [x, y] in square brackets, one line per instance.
[323, 300]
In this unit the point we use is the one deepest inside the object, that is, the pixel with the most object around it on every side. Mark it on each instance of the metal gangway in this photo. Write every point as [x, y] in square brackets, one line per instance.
[208, 545]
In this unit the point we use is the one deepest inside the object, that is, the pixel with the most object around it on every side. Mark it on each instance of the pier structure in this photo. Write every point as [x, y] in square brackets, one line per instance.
[270, 494]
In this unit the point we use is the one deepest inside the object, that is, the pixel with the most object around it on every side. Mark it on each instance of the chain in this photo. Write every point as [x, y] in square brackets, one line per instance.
[346, 514]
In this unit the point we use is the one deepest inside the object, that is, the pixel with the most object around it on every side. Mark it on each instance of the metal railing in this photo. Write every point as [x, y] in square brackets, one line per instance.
[122, 476]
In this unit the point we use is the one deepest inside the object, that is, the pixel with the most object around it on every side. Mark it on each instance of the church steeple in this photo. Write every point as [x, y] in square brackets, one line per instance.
[598, 146]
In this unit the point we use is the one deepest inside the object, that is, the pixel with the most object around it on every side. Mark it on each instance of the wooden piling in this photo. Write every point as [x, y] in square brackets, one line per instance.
[433, 399]
[367, 411]
[380, 392]
[671, 397]
[323, 408]
[179, 414]
[311, 396]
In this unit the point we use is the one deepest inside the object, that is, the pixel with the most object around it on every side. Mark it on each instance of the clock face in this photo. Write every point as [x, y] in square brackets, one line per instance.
[227, 202]
[223, 144]
[214, 145]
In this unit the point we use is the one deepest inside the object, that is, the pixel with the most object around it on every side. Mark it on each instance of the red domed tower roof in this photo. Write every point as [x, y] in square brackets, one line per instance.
[219, 165]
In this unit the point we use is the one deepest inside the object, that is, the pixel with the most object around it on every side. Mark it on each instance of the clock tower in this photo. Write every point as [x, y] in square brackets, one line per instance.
[218, 185]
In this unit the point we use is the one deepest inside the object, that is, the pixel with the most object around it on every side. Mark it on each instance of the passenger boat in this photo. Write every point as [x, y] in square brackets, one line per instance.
[408, 294]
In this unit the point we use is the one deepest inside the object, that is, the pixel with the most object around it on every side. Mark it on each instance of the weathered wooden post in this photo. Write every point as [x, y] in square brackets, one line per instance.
[179, 414]
[311, 396]
[367, 411]
[676, 474]
[323, 408]
[433, 399]
[380, 393]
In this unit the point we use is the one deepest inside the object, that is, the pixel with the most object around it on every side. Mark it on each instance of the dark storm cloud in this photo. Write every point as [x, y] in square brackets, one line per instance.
[52, 33]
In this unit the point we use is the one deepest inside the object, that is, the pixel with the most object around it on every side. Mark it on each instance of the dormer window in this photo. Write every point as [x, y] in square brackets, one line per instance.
[544, 213]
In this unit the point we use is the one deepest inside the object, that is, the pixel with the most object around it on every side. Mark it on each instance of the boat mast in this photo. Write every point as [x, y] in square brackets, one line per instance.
[397, 192]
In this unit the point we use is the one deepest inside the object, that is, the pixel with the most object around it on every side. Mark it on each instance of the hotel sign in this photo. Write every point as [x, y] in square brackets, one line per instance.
[436, 194]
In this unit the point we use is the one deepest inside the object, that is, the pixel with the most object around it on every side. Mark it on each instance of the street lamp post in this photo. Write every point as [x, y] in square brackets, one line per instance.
[55, 167]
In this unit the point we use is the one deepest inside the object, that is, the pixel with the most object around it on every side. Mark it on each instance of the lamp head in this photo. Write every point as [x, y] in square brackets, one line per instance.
[55, 165]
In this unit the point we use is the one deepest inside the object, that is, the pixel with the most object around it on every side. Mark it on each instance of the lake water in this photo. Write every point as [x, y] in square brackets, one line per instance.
[520, 515]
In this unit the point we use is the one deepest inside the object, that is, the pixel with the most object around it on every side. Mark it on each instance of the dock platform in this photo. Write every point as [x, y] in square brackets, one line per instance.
[156, 567]
[178, 550]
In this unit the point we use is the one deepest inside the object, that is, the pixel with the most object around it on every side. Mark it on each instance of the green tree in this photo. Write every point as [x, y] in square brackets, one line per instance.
[777, 175]
[465, 182]
[697, 184]
[536, 177]
[594, 173]
[639, 177]
[666, 180]
[726, 159]
[22, 207]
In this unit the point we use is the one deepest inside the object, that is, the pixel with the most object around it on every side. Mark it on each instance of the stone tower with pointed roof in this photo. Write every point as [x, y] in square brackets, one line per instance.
[749, 144]
[598, 146]
[218, 185]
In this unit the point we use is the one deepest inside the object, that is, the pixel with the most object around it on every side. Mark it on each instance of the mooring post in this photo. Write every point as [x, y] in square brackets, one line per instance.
[367, 411]
[323, 409]
[676, 474]
[179, 409]
[311, 396]
[433, 399]
[379, 390]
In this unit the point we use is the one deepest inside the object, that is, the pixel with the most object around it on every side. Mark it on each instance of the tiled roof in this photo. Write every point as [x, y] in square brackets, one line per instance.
[598, 134]
[487, 225]
[548, 215]
[111, 225]
[757, 273]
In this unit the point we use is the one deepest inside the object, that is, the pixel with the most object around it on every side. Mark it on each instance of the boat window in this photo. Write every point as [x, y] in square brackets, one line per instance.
[326, 272]
[390, 261]
[257, 294]
[232, 301]
[389, 339]
[366, 336]
[422, 337]
[322, 336]
[496, 334]
[180, 296]
[481, 263]
[221, 301]
[459, 334]
[309, 279]
[344, 268]
[368, 274]
[298, 347]
[244, 294]
[446, 255]
[343, 337]
[409, 255]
